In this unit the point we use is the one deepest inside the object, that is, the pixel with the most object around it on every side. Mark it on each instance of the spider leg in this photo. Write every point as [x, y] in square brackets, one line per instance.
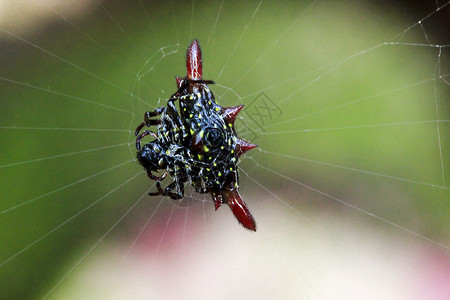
[168, 190]
[159, 192]
[180, 190]
[148, 121]
[186, 83]
[145, 123]
[201, 81]
[142, 135]
[172, 110]
[177, 196]
[180, 89]
[136, 132]
[156, 178]
[154, 113]
[175, 119]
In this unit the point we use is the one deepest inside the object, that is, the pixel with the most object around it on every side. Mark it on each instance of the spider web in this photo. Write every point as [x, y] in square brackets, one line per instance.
[349, 185]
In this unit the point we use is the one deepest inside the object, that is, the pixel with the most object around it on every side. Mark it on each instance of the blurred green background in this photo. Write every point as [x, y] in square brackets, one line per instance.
[74, 83]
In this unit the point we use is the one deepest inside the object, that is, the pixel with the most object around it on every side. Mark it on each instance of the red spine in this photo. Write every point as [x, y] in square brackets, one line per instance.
[194, 61]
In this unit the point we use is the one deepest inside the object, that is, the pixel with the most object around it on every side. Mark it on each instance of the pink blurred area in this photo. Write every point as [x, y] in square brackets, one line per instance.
[433, 274]
[207, 255]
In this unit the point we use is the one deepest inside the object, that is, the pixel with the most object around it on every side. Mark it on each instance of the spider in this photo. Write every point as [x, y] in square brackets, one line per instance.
[198, 143]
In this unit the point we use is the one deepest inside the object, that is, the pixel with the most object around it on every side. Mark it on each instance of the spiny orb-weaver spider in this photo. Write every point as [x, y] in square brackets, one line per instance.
[198, 144]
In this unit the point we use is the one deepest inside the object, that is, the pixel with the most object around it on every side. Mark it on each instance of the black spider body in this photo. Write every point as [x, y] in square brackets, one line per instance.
[210, 138]
[198, 143]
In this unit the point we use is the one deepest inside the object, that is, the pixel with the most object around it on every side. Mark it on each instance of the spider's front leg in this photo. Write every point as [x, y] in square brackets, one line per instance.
[156, 178]
[149, 122]
[179, 188]
[142, 135]
[185, 82]
[174, 118]
[168, 190]
[173, 112]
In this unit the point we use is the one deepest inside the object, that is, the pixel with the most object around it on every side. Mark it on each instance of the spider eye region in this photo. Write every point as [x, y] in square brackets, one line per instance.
[213, 136]
[208, 140]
